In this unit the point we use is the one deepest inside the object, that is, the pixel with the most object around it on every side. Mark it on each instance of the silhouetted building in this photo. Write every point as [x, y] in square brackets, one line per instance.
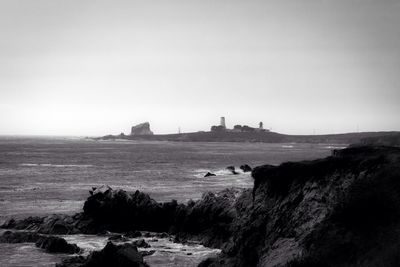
[222, 123]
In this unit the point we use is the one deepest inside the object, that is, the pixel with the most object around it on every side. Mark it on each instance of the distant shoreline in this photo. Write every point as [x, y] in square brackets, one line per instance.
[264, 137]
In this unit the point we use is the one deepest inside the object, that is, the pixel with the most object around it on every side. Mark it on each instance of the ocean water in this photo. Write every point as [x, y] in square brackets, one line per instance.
[40, 176]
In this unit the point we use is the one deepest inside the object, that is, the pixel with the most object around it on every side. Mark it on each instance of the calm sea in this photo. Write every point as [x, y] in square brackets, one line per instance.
[40, 176]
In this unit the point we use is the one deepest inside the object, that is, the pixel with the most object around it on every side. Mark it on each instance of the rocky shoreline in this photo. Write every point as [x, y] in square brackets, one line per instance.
[314, 213]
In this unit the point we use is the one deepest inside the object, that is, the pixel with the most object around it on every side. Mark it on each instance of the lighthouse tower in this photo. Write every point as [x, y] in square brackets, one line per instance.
[222, 123]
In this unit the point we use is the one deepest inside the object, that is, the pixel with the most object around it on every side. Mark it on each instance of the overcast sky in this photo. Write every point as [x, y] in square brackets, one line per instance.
[98, 67]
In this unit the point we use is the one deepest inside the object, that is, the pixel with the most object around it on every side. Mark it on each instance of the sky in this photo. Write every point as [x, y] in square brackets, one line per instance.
[81, 67]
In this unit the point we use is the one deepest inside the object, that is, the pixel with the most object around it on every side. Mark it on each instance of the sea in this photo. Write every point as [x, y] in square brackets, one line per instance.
[49, 175]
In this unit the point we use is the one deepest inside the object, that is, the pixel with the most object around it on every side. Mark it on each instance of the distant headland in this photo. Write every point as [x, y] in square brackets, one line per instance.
[245, 133]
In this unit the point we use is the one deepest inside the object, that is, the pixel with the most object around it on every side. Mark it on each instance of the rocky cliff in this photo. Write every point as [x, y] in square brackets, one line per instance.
[141, 129]
[343, 210]
[339, 211]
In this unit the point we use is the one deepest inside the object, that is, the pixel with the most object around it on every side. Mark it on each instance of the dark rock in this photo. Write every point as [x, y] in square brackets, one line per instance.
[133, 234]
[343, 210]
[55, 244]
[245, 168]
[147, 234]
[30, 223]
[19, 237]
[141, 243]
[232, 169]
[209, 174]
[112, 255]
[125, 255]
[78, 261]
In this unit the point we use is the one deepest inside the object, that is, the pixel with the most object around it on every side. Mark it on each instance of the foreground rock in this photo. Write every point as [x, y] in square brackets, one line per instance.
[53, 244]
[208, 220]
[125, 255]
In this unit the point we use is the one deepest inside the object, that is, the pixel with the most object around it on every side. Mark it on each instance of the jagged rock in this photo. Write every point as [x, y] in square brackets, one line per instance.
[125, 255]
[141, 129]
[55, 244]
[209, 174]
[232, 169]
[245, 168]
[339, 211]
[30, 223]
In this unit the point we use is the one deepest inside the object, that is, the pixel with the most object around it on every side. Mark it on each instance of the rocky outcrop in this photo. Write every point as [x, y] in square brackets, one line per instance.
[51, 244]
[245, 168]
[338, 211]
[125, 255]
[141, 129]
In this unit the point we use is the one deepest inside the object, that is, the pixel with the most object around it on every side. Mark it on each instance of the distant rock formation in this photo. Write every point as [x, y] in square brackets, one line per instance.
[209, 174]
[245, 168]
[141, 129]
